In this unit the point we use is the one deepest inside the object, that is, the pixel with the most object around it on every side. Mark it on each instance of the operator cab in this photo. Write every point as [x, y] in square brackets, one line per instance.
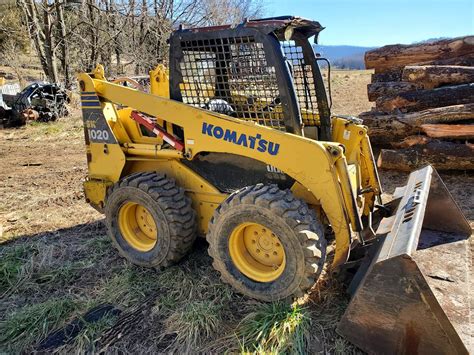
[261, 70]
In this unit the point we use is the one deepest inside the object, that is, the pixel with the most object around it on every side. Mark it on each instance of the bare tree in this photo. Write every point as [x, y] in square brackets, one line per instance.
[120, 34]
[14, 40]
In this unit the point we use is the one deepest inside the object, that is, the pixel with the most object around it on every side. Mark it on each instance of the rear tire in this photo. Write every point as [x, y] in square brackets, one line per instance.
[150, 220]
[277, 220]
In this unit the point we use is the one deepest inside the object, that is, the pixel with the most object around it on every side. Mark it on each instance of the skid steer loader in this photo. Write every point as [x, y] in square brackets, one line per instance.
[236, 143]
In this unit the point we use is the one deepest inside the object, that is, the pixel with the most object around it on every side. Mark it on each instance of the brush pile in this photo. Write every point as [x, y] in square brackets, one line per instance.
[424, 104]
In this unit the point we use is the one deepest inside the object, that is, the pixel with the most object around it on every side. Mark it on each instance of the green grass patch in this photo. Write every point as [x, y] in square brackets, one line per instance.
[46, 127]
[130, 284]
[23, 268]
[99, 245]
[275, 328]
[85, 340]
[193, 323]
[15, 266]
[30, 324]
[48, 277]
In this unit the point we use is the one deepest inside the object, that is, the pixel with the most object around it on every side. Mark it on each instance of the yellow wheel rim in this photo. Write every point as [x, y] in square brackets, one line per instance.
[137, 226]
[257, 252]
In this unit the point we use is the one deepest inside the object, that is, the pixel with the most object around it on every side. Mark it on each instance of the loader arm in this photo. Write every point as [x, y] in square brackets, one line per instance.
[320, 167]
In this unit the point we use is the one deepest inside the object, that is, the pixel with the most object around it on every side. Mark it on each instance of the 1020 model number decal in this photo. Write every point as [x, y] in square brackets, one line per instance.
[98, 134]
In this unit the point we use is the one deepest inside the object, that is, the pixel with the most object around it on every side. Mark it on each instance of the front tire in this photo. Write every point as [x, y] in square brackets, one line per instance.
[150, 220]
[266, 243]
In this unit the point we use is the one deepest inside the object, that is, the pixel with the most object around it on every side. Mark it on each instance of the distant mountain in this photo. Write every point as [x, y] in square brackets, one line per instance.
[431, 40]
[344, 57]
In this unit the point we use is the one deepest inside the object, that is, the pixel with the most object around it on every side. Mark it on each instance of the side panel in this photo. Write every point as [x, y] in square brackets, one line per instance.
[105, 158]
[229, 172]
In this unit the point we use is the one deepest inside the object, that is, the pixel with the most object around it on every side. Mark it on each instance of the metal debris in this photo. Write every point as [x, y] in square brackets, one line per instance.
[42, 102]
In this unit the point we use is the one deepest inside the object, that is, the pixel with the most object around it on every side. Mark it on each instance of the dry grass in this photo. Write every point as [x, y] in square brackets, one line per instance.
[57, 263]
[349, 91]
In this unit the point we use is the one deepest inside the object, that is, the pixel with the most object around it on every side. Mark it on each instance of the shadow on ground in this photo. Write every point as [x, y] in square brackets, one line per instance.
[52, 282]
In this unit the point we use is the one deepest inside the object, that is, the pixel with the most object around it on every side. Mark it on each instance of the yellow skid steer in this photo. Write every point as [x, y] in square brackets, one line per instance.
[236, 142]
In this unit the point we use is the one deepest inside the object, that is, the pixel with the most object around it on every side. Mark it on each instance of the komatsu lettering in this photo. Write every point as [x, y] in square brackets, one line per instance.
[252, 142]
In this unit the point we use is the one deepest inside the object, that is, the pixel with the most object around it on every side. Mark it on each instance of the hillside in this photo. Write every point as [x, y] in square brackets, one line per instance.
[343, 56]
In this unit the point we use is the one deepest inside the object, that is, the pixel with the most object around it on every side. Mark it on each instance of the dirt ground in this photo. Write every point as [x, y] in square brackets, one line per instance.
[56, 263]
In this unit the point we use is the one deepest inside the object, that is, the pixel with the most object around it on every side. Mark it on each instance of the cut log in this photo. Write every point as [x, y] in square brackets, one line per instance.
[397, 55]
[466, 61]
[390, 75]
[433, 76]
[424, 99]
[410, 141]
[442, 155]
[385, 129]
[390, 88]
[455, 131]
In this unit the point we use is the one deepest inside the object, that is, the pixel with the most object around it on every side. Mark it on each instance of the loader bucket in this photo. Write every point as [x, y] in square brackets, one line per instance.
[412, 295]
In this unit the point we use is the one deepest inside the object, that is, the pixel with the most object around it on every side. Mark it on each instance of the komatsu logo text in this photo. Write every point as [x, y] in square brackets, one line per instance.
[252, 142]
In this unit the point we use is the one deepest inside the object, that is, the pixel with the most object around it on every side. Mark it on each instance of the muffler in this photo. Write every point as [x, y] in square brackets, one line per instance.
[412, 294]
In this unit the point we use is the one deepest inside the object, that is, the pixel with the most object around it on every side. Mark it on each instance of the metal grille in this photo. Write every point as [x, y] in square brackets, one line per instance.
[303, 81]
[231, 76]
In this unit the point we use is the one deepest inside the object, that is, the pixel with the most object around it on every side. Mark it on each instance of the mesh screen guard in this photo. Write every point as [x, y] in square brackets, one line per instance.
[231, 76]
[247, 74]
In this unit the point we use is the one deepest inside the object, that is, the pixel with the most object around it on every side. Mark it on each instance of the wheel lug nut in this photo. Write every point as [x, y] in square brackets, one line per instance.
[267, 255]
[258, 250]
[277, 244]
[253, 241]
[255, 233]
[264, 230]
[275, 253]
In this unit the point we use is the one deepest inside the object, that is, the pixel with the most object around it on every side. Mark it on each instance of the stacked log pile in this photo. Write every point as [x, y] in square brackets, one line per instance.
[424, 104]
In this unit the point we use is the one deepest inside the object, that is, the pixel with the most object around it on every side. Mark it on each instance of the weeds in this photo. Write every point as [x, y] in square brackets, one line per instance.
[196, 321]
[25, 267]
[275, 328]
[130, 284]
[84, 342]
[15, 266]
[29, 324]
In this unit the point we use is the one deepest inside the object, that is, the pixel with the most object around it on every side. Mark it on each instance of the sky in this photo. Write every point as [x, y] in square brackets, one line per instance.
[376, 23]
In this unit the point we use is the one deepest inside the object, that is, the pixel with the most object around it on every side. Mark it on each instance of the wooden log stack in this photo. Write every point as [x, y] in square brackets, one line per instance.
[424, 104]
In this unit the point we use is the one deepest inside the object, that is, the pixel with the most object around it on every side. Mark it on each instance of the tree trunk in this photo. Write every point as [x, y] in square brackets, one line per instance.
[392, 56]
[433, 76]
[424, 99]
[35, 31]
[442, 155]
[63, 44]
[454, 131]
[50, 53]
[93, 33]
[390, 128]
[390, 88]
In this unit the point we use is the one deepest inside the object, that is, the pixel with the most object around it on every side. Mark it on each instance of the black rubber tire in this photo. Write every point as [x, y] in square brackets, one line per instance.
[171, 209]
[297, 227]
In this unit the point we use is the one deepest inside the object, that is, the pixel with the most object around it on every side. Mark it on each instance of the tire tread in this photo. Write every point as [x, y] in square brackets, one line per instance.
[297, 215]
[176, 207]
